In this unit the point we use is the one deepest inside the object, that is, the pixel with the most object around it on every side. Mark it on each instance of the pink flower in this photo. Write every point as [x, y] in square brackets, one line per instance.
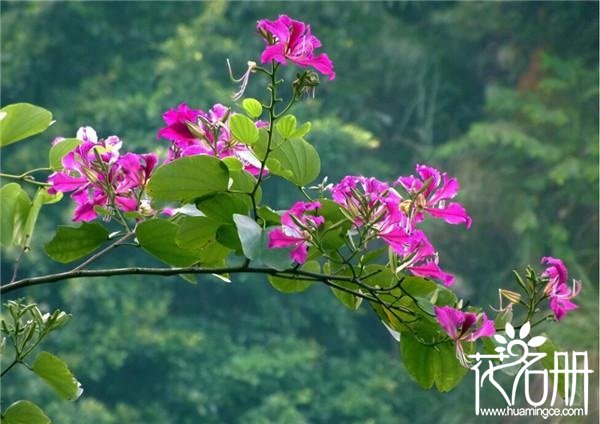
[297, 230]
[368, 201]
[462, 327]
[365, 200]
[430, 192]
[556, 272]
[287, 38]
[176, 120]
[558, 292]
[212, 136]
[97, 175]
[417, 254]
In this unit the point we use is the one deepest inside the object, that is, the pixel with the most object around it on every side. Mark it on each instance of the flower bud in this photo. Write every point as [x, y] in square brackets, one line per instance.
[512, 296]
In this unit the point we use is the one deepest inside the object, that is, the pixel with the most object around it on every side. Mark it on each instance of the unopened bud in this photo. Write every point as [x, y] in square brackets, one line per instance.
[512, 296]
[196, 130]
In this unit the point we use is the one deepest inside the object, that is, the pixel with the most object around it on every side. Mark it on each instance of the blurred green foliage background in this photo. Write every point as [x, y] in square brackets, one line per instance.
[502, 95]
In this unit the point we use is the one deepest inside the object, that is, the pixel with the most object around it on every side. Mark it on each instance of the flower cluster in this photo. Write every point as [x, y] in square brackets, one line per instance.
[99, 176]
[297, 230]
[196, 132]
[557, 290]
[374, 205]
[462, 327]
[377, 210]
[289, 39]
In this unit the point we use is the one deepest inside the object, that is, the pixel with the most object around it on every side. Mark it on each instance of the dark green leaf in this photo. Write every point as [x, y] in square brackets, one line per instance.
[59, 150]
[429, 365]
[22, 120]
[71, 243]
[55, 372]
[227, 235]
[222, 206]
[24, 412]
[269, 216]
[196, 232]
[294, 285]
[189, 178]
[199, 234]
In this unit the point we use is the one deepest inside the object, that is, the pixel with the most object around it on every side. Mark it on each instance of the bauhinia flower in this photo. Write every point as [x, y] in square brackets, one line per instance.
[289, 39]
[196, 132]
[297, 230]
[463, 327]
[374, 204]
[557, 290]
[99, 176]
[430, 192]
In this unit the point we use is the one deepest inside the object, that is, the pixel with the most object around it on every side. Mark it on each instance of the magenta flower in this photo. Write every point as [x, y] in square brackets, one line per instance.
[556, 272]
[212, 136]
[557, 290]
[416, 254]
[368, 201]
[288, 38]
[431, 191]
[297, 230]
[97, 175]
[462, 327]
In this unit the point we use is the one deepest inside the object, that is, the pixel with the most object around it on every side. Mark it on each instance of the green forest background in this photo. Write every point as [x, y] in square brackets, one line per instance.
[502, 95]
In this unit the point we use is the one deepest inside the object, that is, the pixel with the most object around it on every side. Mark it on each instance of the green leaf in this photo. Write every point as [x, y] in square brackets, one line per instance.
[348, 299]
[243, 129]
[196, 232]
[227, 235]
[59, 150]
[222, 206]
[55, 372]
[188, 178]
[24, 412]
[286, 126]
[252, 107]
[157, 237]
[431, 365]
[381, 276]
[22, 120]
[301, 131]
[299, 162]
[269, 216]
[14, 210]
[42, 197]
[294, 285]
[254, 244]
[250, 234]
[242, 181]
[199, 234]
[233, 164]
[71, 243]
